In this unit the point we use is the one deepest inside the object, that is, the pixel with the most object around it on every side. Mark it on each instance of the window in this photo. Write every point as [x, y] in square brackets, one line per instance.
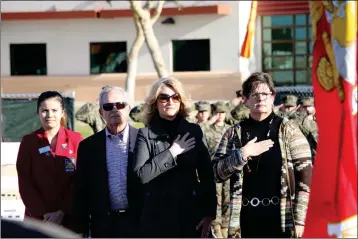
[28, 59]
[287, 48]
[191, 55]
[108, 57]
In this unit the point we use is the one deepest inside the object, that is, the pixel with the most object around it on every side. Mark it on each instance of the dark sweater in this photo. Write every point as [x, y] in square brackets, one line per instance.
[171, 127]
[263, 181]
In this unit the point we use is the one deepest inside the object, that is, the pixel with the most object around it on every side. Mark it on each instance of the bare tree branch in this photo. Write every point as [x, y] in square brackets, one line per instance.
[136, 7]
[132, 60]
[158, 12]
[148, 5]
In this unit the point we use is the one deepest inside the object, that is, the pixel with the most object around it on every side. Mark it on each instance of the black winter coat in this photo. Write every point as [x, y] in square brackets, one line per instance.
[178, 192]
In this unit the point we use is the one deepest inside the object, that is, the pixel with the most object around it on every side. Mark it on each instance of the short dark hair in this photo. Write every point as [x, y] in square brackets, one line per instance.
[256, 79]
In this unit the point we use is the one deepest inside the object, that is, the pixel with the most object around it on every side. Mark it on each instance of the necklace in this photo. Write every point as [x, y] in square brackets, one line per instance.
[249, 170]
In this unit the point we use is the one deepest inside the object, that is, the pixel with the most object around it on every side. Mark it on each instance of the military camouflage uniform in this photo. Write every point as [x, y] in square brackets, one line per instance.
[309, 126]
[89, 114]
[213, 134]
[135, 113]
[238, 113]
[203, 106]
[191, 119]
[288, 101]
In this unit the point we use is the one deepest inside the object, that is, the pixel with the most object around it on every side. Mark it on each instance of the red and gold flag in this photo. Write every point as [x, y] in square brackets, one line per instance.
[246, 48]
[332, 209]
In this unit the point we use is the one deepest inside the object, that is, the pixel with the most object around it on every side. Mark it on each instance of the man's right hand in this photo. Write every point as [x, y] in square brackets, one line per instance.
[253, 148]
[277, 107]
[212, 119]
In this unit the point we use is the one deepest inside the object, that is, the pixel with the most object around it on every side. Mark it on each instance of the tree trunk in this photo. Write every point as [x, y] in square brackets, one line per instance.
[144, 22]
[153, 46]
[132, 63]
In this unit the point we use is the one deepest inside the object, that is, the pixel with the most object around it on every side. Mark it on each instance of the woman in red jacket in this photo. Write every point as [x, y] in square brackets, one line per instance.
[46, 164]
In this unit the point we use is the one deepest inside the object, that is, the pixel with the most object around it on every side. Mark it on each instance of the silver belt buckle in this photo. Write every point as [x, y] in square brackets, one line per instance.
[255, 202]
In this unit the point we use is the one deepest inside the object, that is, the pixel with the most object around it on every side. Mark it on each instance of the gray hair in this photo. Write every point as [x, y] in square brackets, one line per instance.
[106, 89]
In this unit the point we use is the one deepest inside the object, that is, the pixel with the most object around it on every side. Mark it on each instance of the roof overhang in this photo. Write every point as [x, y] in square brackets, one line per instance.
[218, 9]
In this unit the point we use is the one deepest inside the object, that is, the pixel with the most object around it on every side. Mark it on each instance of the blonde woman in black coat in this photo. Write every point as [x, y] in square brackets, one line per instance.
[173, 164]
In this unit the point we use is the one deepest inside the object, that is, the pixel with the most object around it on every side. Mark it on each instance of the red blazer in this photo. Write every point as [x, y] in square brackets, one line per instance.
[46, 178]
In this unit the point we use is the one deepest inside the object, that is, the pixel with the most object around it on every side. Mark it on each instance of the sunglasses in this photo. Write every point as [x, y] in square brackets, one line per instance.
[110, 106]
[164, 98]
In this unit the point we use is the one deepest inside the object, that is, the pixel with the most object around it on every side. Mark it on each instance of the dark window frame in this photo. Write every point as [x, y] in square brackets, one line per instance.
[293, 41]
[12, 60]
[183, 40]
[104, 42]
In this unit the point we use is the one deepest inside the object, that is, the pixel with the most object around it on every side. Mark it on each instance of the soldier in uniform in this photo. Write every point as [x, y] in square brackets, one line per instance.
[308, 123]
[307, 107]
[204, 110]
[89, 114]
[213, 134]
[239, 113]
[289, 106]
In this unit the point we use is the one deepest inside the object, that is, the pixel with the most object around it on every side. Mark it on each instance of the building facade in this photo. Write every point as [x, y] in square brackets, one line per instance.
[76, 39]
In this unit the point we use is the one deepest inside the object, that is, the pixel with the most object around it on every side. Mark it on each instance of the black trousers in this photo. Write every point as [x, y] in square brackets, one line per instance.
[261, 222]
[121, 226]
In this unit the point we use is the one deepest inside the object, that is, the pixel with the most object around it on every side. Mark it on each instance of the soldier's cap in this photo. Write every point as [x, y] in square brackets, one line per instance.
[289, 100]
[221, 107]
[307, 101]
[202, 106]
[238, 93]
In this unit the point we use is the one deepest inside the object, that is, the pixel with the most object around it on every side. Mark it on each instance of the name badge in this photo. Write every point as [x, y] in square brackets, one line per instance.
[69, 165]
[44, 149]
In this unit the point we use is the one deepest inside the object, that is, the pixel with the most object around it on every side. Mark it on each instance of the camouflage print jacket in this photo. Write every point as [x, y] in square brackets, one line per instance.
[213, 135]
[228, 163]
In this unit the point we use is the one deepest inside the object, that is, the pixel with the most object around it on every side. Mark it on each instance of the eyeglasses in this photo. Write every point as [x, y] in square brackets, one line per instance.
[164, 98]
[110, 106]
[264, 95]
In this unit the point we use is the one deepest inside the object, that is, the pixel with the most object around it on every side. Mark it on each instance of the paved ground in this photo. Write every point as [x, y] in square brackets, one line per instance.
[200, 85]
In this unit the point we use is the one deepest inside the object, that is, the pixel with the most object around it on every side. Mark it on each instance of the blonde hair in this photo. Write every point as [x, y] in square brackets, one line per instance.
[150, 110]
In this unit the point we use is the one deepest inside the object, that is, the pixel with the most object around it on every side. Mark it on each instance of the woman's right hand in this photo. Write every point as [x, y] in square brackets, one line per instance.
[182, 145]
[253, 148]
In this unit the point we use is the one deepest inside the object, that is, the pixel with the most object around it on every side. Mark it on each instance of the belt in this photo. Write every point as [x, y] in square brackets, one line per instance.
[117, 212]
[264, 202]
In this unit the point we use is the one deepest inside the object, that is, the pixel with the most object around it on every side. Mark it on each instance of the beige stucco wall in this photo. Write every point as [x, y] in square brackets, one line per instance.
[200, 85]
